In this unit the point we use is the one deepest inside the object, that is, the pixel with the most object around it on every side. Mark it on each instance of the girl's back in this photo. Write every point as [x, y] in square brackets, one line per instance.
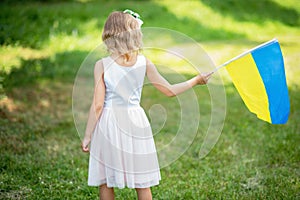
[123, 83]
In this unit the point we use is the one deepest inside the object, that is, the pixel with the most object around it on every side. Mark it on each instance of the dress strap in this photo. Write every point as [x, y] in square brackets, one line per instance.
[141, 60]
[106, 63]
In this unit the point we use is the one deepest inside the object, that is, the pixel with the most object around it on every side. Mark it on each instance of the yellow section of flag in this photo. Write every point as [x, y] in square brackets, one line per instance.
[247, 80]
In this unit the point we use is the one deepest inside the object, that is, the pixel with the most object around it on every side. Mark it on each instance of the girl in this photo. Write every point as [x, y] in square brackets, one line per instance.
[122, 150]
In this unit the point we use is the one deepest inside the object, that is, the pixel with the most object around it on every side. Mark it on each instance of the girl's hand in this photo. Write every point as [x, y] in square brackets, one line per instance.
[85, 144]
[203, 78]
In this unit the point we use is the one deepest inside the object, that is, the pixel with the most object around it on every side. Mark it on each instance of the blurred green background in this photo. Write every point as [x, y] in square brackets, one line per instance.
[43, 44]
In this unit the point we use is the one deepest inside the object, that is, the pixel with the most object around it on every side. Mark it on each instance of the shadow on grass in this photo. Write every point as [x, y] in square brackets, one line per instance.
[258, 11]
[38, 141]
[160, 16]
[62, 67]
[32, 24]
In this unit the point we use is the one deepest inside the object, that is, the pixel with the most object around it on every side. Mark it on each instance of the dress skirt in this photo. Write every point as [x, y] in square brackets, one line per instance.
[122, 152]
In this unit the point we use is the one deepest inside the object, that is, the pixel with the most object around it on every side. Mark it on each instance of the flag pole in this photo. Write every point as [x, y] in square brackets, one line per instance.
[243, 54]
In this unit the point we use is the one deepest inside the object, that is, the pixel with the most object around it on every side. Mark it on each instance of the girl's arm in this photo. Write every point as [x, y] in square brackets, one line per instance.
[172, 90]
[97, 105]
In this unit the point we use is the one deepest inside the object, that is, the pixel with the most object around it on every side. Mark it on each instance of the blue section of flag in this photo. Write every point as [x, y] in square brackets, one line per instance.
[269, 62]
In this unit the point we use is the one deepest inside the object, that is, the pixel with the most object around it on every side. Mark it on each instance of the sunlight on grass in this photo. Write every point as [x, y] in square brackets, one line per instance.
[10, 57]
[68, 42]
[208, 17]
[169, 59]
[289, 4]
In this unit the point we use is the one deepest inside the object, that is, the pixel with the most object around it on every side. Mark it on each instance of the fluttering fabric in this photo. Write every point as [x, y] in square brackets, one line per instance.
[259, 77]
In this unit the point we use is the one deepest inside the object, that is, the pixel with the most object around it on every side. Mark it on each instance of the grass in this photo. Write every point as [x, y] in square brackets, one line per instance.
[42, 47]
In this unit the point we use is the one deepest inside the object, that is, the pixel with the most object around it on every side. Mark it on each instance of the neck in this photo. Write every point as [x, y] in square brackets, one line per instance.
[126, 58]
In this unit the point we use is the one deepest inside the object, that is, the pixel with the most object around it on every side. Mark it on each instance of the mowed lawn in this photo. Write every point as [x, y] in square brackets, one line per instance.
[43, 44]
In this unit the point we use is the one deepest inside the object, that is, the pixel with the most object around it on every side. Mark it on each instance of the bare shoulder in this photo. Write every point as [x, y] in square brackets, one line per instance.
[149, 65]
[99, 64]
[98, 69]
[148, 62]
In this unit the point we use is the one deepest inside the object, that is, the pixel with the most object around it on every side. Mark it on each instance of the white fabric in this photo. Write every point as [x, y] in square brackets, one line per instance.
[122, 150]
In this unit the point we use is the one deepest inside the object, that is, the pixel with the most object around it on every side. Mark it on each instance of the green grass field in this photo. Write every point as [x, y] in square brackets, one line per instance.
[43, 44]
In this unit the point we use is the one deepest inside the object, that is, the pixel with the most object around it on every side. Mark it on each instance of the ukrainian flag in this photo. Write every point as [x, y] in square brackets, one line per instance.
[259, 77]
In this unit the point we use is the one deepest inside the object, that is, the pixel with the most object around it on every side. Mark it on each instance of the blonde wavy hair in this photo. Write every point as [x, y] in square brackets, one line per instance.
[122, 34]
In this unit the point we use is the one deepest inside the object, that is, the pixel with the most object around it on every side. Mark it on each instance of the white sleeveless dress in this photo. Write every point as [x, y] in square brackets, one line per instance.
[122, 150]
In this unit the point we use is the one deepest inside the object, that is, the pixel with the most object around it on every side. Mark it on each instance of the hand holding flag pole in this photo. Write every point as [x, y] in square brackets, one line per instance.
[258, 75]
